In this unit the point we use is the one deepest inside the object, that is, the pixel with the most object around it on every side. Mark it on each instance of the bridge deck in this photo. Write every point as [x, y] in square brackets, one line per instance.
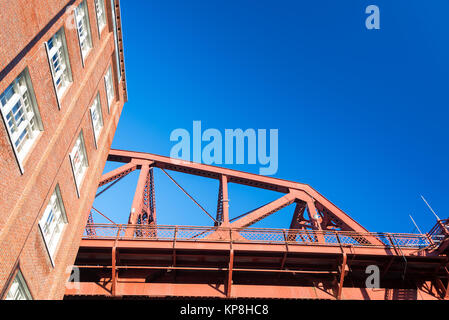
[132, 260]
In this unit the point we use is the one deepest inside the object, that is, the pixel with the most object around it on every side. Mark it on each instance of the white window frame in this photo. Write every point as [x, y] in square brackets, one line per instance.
[83, 29]
[53, 223]
[109, 85]
[101, 15]
[59, 62]
[18, 289]
[114, 24]
[21, 116]
[79, 154]
[96, 116]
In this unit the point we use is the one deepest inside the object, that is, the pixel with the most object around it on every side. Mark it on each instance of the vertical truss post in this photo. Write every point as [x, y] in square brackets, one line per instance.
[228, 283]
[114, 254]
[313, 216]
[137, 208]
[149, 204]
[229, 280]
[223, 203]
[219, 217]
[90, 221]
[342, 276]
[149, 201]
[114, 271]
[152, 198]
[296, 221]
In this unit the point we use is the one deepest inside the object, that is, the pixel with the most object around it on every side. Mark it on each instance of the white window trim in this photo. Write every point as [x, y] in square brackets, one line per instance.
[57, 198]
[102, 17]
[67, 68]
[21, 286]
[78, 184]
[88, 37]
[96, 104]
[28, 116]
[114, 25]
[112, 98]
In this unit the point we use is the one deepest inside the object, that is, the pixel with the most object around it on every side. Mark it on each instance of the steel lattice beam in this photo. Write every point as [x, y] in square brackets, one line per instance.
[323, 246]
[117, 173]
[322, 214]
[234, 176]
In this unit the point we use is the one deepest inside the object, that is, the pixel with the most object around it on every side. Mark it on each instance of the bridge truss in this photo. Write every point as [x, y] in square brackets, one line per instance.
[324, 253]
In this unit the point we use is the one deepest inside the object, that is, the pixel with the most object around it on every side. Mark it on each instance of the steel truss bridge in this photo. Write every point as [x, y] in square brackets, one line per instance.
[323, 255]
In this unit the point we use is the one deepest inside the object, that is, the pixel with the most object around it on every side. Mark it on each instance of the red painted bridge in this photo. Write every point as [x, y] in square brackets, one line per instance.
[324, 254]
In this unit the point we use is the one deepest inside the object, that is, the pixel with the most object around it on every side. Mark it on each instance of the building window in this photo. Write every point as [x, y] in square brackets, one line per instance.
[109, 87]
[59, 62]
[18, 290]
[20, 114]
[78, 158]
[97, 117]
[53, 222]
[101, 16]
[114, 23]
[83, 27]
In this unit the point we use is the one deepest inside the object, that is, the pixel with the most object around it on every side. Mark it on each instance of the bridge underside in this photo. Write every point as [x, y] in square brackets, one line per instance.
[156, 266]
[324, 254]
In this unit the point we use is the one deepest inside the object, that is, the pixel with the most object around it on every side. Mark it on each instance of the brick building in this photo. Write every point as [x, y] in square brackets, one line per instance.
[62, 90]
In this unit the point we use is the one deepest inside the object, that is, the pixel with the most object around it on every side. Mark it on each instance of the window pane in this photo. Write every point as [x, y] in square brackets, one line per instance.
[97, 117]
[82, 25]
[57, 54]
[109, 86]
[18, 289]
[101, 17]
[79, 160]
[53, 221]
[20, 114]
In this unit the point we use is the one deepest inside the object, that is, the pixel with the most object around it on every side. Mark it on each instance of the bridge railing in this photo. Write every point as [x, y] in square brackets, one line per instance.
[440, 228]
[258, 235]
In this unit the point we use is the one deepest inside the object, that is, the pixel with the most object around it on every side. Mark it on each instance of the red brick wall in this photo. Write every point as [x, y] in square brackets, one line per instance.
[24, 197]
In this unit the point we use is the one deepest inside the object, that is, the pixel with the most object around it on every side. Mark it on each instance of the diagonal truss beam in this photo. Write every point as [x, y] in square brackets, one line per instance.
[298, 221]
[240, 177]
[117, 173]
[298, 216]
[264, 211]
[322, 214]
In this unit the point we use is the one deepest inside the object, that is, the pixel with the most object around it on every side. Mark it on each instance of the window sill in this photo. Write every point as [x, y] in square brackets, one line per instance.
[23, 161]
[84, 56]
[46, 246]
[61, 96]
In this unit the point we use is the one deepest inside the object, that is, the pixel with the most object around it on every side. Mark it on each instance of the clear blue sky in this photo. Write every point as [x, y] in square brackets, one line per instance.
[362, 114]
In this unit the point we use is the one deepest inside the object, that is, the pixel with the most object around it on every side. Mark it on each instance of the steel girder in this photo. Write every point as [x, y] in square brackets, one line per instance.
[315, 218]
[322, 214]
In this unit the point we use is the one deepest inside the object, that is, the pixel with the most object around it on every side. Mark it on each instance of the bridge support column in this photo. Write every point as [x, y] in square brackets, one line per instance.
[342, 276]
[229, 280]
[137, 205]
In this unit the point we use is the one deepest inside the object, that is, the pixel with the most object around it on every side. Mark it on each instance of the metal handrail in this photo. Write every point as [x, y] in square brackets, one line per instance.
[254, 235]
